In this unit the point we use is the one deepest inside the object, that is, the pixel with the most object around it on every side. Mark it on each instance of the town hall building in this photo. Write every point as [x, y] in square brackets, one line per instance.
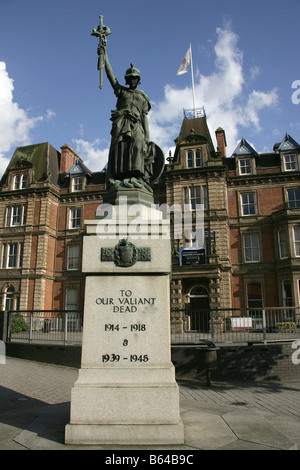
[247, 257]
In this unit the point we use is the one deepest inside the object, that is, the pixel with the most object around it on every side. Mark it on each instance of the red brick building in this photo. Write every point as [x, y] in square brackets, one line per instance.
[263, 204]
[251, 242]
[45, 198]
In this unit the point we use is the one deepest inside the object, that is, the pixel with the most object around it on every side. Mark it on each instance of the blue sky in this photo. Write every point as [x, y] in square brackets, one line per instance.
[245, 60]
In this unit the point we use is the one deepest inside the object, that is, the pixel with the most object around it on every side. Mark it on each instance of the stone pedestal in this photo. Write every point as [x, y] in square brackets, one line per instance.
[126, 393]
[133, 196]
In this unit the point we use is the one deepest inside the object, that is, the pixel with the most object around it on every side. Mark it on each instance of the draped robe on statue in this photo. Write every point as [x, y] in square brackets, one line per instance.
[129, 144]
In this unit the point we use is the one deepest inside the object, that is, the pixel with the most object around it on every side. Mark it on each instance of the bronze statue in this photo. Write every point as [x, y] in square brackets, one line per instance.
[134, 161]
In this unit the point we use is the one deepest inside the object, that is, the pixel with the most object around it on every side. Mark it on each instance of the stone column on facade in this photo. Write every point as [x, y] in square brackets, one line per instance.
[24, 289]
[42, 255]
[25, 272]
[215, 303]
[177, 313]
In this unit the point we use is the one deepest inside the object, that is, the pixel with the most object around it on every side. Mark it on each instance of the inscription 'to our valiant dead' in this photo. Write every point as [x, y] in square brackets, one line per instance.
[126, 302]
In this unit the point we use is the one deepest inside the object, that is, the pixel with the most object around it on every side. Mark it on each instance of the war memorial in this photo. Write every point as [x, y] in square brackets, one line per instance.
[126, 392]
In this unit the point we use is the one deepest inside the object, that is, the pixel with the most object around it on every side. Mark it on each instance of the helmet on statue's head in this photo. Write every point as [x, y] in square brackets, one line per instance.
[132, 72]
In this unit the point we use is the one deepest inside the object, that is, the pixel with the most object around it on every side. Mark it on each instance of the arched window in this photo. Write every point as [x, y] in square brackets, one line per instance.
[198, 158]
[190, 159]
[17, 182]
[199, 309]
[194, 158]
[198, 291]
[24, 181]
[20, 181]
[10, 299]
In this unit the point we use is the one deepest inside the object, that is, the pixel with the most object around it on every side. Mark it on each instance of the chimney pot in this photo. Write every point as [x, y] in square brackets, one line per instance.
[221, 141]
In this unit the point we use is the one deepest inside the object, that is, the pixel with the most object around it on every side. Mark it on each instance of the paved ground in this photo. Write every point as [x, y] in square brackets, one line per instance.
[35, 407]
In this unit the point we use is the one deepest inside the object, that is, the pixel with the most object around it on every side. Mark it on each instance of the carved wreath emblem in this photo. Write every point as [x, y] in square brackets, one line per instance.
[125, 254]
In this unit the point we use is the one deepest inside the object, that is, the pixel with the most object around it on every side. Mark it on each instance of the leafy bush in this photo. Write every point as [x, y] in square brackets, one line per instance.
[286, 326]
[19, 324]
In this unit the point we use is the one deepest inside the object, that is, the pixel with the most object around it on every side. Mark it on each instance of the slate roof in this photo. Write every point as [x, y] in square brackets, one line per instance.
[195, 128]
[288, 143]
[78, 169]
[243, 148]
[43, 157]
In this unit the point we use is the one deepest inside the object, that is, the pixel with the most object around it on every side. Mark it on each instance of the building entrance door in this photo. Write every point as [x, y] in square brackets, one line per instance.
[199, 309]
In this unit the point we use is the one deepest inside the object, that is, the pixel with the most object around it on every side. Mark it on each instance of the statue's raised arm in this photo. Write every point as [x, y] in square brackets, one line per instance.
[109, 72]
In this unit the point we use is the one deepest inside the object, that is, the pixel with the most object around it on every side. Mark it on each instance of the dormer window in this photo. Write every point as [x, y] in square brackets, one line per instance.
[77, 183]
[17, 182]
[245, 165]
[194, 158]
[24, 181]
[20, 181]
[290, 162]
[289, 153]
[245, 156]
[77, 176]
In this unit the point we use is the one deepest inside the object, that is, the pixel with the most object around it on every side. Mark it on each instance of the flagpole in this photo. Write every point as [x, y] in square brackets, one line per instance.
[193, 85]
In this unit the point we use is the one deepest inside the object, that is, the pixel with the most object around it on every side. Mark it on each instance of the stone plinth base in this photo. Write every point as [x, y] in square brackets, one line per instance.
[132, 195]
[135, 412]
[126, 393]
[124, 404]
[118, 434]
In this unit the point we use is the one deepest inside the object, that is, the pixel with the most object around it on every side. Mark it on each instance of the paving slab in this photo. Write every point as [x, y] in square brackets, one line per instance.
[221, 417]
[251, 427]
[205, 429]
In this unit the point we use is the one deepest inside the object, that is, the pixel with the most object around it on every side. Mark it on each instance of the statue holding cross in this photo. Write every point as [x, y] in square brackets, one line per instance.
[134, 162]
[101, 32]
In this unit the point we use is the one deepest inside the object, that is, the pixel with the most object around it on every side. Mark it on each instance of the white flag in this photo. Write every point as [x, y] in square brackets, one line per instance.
[185, 63]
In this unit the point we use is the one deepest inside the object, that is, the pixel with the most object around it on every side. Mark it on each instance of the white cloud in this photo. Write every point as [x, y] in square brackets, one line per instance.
[94, 157]
[257, 101]
[254, 72]
[221, 93]
[50, 114]
[15, 124]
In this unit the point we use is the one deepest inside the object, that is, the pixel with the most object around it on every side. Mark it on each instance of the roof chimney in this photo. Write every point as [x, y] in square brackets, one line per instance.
[67, 159]
[221, 141]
